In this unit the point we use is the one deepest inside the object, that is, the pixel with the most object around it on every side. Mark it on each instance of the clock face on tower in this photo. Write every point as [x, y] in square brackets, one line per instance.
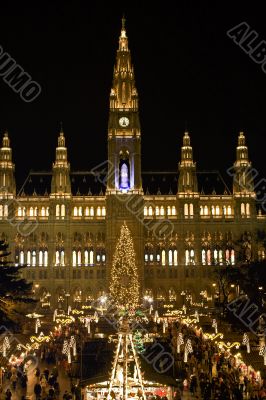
[123, 121]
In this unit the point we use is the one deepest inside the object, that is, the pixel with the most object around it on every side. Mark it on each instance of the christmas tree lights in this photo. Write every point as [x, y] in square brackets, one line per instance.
[124, 285]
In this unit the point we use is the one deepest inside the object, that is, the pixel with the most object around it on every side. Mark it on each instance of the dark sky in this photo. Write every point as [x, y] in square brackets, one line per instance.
[187, 69]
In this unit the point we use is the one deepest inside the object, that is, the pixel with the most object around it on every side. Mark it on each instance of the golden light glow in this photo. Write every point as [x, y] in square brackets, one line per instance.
[124, 285]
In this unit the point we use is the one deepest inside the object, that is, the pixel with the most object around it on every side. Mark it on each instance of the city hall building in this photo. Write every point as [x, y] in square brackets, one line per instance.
[64, 225]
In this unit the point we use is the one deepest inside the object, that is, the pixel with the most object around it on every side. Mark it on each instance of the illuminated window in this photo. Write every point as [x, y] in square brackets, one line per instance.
[229, 210]
[163, 257]
[186, 210]
[157, 210]
[80, 211]
[47, 212]
[33, 259]
[227, 256]
[45, 260]
[79, 258]
[201, 210]
[103, 211]
[86, 258]
[209, 257]
[162, 210]
[5, 210]
[31, 212]
[243, 209]
[150, 211]
[57, 210]
[28, 258]
[173, 210]
[1, 211]
[98, 211]
[103, 257]
[170, 257]
[169, 210]
[57, 258]
[151, 257]
[215, 256]
[248, 209]
[74, 258]
[91, 257]
[191, 210]
[220, 253]
[206, 210]
[63, 210]
[187, 257]
[158, 257]
[21, 257]
[217, 210]
[43, 211]
[40, 258]
[175, 258]
[92, 212]
[87, 211]
[203, 257]
[232, 257]
[145, 212]
[62, 258]
[75, 211]
[224, 210]
[212, 210]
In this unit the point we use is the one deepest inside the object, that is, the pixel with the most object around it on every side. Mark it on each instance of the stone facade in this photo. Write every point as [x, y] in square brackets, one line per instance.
[64, 225]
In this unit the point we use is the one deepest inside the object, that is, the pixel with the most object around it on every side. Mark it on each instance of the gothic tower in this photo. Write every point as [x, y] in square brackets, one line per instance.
[187, 181]
[243, 182]
[7, 168]
[61, 186]
[124, 141]
[124, 194]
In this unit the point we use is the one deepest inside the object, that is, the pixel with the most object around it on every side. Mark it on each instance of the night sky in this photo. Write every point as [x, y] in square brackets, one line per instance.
[188, 73]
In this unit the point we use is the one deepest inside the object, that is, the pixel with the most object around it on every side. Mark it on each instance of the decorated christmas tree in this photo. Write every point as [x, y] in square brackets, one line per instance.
[124, 285]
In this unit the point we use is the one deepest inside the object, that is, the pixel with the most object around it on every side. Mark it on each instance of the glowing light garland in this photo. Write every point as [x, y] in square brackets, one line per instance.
[215, 325]
[179, 342]
[228, 345]
[5, 346]
[124, 285]
[213, 336]
[262, 352]
[246, 342]
[188, 349]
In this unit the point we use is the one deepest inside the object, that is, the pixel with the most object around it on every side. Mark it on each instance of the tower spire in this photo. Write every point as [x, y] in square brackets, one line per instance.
[61, 168]
[243, 179]
[7, 168]
[187, 181]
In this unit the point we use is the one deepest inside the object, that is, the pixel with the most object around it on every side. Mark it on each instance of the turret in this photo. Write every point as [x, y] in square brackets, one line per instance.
[61, 168]
[187, 181]
[7, 169]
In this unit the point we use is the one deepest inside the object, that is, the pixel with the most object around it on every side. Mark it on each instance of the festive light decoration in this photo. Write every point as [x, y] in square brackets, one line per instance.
[73, 345]
[77, 312]
[124, 285]
[41, 338]
[138, 342]
[215, 325]
[228, 345]
[179, 341]
[262, 352]
[213, 336]
[197, 315]
[188, 349]
[37, 325]
[246, 342]
[66, 351]
[5, 346]
[65, 321]
[165, 324]
[156, 316]
[88, 324]
[184, 309]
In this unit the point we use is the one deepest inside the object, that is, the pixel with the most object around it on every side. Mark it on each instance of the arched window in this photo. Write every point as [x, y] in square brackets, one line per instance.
[92, 212]
[206, 210]
[74, 258]
[209, 257]
[103, 256]
[57, 210]
[99, 211]
[162, 210]
[191, 210]
[87, 211]
[47, 212]
[103, 211]
[86, 258]
[248, 209]
[91, 257]
[19, 211]
[175, 258]
[163, 257]
[203, 257]
[75, 211]
[170, 257]
[79, 258]
[21, 257]
[173, 210]
[215, 256]
[151, 257]
[146, 257]
[5, 210]
[145, 211]
[201, 210]
[62, 258]
[229, 210]
[28, 258]
[43, 211]
[33, 258]
[217, 210]
[168, 210]
[45, 260]
[40, 258]
[80, 211]
[213, 210]
[187, 257]
[242, 208]
[31, 212]
[157, 210]
[227, 256]
[150, 211]
[57, 258]
[224, 210]
[186, 209]
[232, 257]
[63, 210]
[220, 256]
